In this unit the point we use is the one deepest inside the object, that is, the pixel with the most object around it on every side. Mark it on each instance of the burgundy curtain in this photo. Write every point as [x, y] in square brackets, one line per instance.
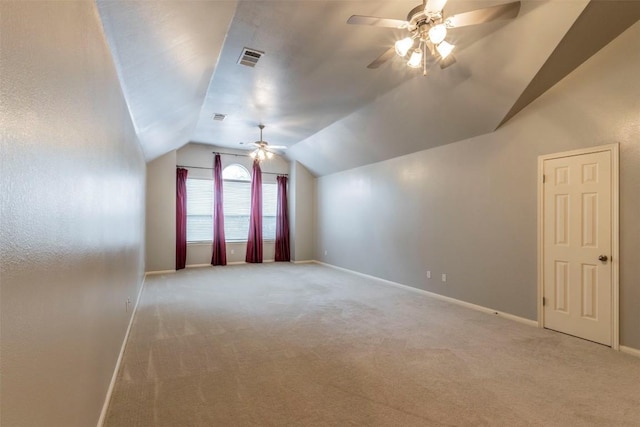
[282, 222]
[181, 218]
[219, 256]
[254, 241]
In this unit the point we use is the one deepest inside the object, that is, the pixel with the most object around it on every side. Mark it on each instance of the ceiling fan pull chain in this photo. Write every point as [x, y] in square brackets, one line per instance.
[424, 65]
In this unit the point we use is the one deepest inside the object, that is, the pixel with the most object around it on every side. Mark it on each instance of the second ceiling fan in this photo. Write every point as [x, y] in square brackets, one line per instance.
[427, 27]
[263, 149]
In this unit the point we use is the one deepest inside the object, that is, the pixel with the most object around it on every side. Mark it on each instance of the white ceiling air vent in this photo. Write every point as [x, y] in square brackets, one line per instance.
[250, 57]
[219, 117]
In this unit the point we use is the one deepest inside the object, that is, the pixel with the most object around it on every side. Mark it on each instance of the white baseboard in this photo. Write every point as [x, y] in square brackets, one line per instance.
[198, 265]
[630, 350]
[440, 297]
[307, 261]
[114, 377]
[151, 273]
[264, 261]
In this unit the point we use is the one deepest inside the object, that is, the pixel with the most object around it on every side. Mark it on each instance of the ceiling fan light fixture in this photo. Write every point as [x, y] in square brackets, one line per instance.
[416, 59]
[429, 25]
[263, 149]
[403, 46]
[437, 33]
[444, 49]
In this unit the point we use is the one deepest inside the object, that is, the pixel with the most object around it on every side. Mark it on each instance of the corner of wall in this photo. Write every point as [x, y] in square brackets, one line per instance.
[160, 230]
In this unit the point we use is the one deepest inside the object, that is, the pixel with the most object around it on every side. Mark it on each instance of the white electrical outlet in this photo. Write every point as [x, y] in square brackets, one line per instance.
[428, 274]
[444, 277]
[233, 251]
[325, 253]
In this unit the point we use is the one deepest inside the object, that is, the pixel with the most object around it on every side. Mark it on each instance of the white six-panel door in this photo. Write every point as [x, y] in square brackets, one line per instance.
[577, 245]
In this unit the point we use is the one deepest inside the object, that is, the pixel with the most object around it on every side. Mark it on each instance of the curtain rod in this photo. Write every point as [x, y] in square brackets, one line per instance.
[200, 167]
[231, 154]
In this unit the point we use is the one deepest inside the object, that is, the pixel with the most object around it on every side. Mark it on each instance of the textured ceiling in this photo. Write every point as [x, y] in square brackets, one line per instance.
[177, 62]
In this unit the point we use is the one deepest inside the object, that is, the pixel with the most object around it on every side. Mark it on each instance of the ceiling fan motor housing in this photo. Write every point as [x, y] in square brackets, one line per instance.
[419, 19]
[419, 22]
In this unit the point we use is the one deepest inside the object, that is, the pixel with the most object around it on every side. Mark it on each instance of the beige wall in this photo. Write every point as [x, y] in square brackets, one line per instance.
[302, 196]
[161, 213]
[468, 209]
[72, 213]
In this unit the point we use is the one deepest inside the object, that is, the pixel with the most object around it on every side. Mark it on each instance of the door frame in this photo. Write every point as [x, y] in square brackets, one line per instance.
[615, 233]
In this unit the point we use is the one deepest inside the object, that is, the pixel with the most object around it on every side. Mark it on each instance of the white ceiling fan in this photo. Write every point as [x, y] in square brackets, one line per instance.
[263, 149]
[427, 27]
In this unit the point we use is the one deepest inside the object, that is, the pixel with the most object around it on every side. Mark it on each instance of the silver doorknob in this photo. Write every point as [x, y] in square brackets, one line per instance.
[603, 258]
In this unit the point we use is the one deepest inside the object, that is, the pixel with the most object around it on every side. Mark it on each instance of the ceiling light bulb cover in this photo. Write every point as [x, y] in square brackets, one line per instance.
[437, 33]
[253, 154]
[444, 49]
[261, 155]
[403, 46]
[269, 155]
[416, 59]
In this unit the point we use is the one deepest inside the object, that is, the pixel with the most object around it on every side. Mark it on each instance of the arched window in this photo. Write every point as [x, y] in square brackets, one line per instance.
[236, 172]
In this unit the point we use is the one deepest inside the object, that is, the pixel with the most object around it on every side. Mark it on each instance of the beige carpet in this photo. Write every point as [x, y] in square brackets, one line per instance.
[307, 345]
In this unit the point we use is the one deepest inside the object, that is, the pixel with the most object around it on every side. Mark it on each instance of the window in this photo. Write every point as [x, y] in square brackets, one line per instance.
[236, 172]
[269, 208]
[237, 202]
[199, 210]
[237, 207]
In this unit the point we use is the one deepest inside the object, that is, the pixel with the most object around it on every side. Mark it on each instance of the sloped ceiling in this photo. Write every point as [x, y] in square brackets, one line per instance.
[165, 54]
[177, 62]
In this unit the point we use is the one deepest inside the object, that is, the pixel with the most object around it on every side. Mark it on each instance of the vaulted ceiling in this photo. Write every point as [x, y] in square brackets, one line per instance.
[178, 65]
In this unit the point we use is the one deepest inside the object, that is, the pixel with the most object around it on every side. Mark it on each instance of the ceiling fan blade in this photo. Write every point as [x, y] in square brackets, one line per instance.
[378, 22]
[277, 147]
[387, 55]
[434, 5]
[448, 61]
[480, 16]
